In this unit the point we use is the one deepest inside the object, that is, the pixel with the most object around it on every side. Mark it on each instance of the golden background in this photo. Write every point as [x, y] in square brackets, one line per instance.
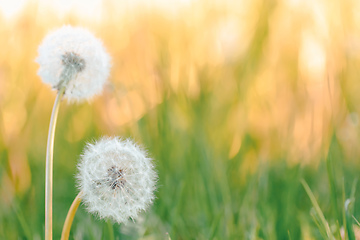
[283, 73]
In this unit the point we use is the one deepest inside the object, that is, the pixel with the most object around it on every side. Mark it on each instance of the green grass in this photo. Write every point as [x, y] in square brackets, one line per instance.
[258, 192]
[202, 194]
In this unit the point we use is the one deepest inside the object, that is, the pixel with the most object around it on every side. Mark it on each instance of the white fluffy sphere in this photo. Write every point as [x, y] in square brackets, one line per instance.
[74, 58]
[117, 179]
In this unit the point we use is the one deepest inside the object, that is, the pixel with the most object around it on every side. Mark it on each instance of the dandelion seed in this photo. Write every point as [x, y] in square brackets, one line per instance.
[116, 178]
[72, 57]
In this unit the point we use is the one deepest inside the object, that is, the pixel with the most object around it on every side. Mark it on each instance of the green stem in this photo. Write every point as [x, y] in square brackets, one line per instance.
[49, 166]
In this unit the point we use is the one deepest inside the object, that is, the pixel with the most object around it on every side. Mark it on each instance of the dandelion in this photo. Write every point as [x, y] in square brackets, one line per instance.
[76, 64]
[116, 178]
[71, 57]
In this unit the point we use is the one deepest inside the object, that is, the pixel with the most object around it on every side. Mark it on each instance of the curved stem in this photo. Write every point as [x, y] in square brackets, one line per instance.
[70, 217]
[49, 166]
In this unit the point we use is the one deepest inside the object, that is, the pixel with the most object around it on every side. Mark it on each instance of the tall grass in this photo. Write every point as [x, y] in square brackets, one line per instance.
[236, 102]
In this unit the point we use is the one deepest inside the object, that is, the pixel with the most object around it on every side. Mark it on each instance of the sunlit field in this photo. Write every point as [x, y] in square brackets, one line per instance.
[250, 110]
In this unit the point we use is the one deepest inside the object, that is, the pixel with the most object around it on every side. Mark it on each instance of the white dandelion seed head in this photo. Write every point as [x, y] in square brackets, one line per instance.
[74, 58]
[117, 179]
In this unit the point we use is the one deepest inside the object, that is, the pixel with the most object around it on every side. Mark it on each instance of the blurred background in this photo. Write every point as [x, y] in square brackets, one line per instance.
[236, 101]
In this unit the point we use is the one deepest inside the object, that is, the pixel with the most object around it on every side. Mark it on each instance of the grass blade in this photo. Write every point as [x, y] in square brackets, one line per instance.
[349, 210]
[317, 209]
